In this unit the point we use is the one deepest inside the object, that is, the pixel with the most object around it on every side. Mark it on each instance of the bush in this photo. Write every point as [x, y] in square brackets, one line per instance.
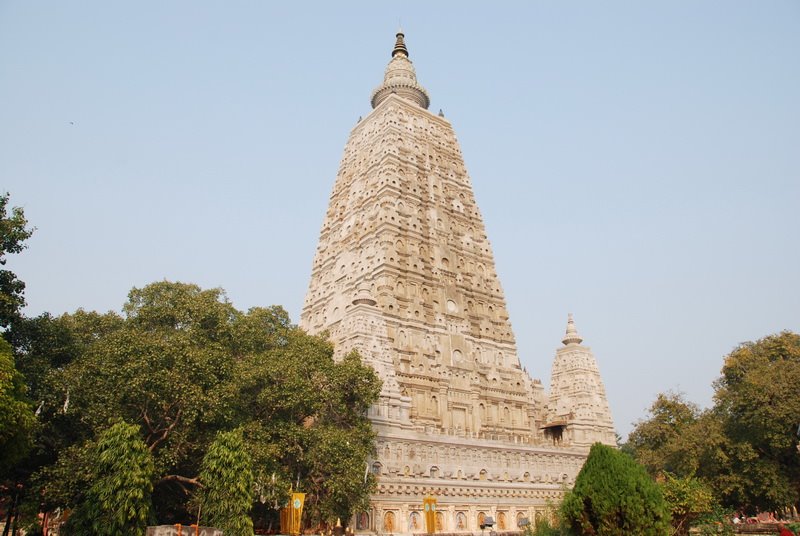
[614, 496]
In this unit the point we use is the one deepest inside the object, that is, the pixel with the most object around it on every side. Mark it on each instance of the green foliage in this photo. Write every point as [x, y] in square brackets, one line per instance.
[17, 421]
[44, 348]
[118, 501]
[43, 345]
[687, 499]
[757, 394]
[183, 364]
[13, 234]
[658, 441]
[311, 422]
[715, 523]
[745, 447]
[63, 483]
[227, 492]
[161, 366]
[614, 496]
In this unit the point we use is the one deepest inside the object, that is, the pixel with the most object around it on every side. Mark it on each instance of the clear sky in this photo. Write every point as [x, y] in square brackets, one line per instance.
[635, 163]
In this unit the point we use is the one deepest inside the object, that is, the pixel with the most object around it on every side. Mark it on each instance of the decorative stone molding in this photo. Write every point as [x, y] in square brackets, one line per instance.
[404, 274]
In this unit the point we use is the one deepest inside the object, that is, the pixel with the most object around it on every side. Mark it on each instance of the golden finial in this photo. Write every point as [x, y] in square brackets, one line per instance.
[400, 45]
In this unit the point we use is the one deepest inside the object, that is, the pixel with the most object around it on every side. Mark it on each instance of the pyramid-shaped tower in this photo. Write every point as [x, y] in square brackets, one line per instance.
[404, 274]
[577, 404]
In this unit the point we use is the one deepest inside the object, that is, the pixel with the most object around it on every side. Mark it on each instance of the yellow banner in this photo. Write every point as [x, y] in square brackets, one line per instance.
[429, 506]
[292, 514]
[297, 511]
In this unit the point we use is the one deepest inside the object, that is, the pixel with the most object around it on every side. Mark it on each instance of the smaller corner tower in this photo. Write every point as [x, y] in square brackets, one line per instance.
[577, 411]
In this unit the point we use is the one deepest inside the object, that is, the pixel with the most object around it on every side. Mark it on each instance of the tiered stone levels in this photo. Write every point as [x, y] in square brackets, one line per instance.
[403, 225]
[578, 400]
[404, 274]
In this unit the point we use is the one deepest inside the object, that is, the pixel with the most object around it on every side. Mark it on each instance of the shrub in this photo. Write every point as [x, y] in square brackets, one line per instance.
[614, 496]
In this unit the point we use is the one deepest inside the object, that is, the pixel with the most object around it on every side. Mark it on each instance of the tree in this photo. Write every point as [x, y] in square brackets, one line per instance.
[310, 423]
[13, 234]
[226, 497]
[658, 442]
[745, 447]
[183, 364]
[614, 496]
[43, 346]
[17, 427]
[688, 499]
[118, 501]
[757, 395]
[17, 421]
[166, 366]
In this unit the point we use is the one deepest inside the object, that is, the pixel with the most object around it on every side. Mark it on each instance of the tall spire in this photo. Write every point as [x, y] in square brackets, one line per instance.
[400, 78]
[572, 336]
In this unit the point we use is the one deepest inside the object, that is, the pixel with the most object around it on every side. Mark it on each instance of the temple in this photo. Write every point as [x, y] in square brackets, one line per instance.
[404, 274]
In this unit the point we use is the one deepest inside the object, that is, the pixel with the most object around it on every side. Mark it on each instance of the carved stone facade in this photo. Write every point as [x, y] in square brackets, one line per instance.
[404, 274]
[578, 412]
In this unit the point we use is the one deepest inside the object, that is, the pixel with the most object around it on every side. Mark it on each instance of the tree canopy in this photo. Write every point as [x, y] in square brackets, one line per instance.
[744, 447]
[13, 234]
[182, 364]
[17, 421]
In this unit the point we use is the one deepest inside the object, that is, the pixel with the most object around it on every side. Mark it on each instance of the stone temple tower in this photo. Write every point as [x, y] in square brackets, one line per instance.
[577, 404]
[404, 273]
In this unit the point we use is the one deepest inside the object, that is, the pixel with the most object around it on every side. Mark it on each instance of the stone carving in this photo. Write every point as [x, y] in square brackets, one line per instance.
[388, 522]
[414, 524]
[578, 401]
[404, 274]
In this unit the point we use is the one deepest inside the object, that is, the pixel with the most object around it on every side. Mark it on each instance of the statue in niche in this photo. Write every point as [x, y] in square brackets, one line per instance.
[388, 522]
[461, 521]
[362, 522]
[413, 522]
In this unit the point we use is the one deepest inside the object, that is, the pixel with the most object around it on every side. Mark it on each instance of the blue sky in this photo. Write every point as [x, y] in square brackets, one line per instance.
[635, 163]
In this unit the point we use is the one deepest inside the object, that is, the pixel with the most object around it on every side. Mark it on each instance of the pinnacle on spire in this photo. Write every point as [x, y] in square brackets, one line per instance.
[400, 79]
[572, 336]
[400, 45]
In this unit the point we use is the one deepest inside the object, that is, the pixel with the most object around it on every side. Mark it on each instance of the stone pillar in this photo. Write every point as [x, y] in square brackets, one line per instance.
[402, 523]
[476, 414]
